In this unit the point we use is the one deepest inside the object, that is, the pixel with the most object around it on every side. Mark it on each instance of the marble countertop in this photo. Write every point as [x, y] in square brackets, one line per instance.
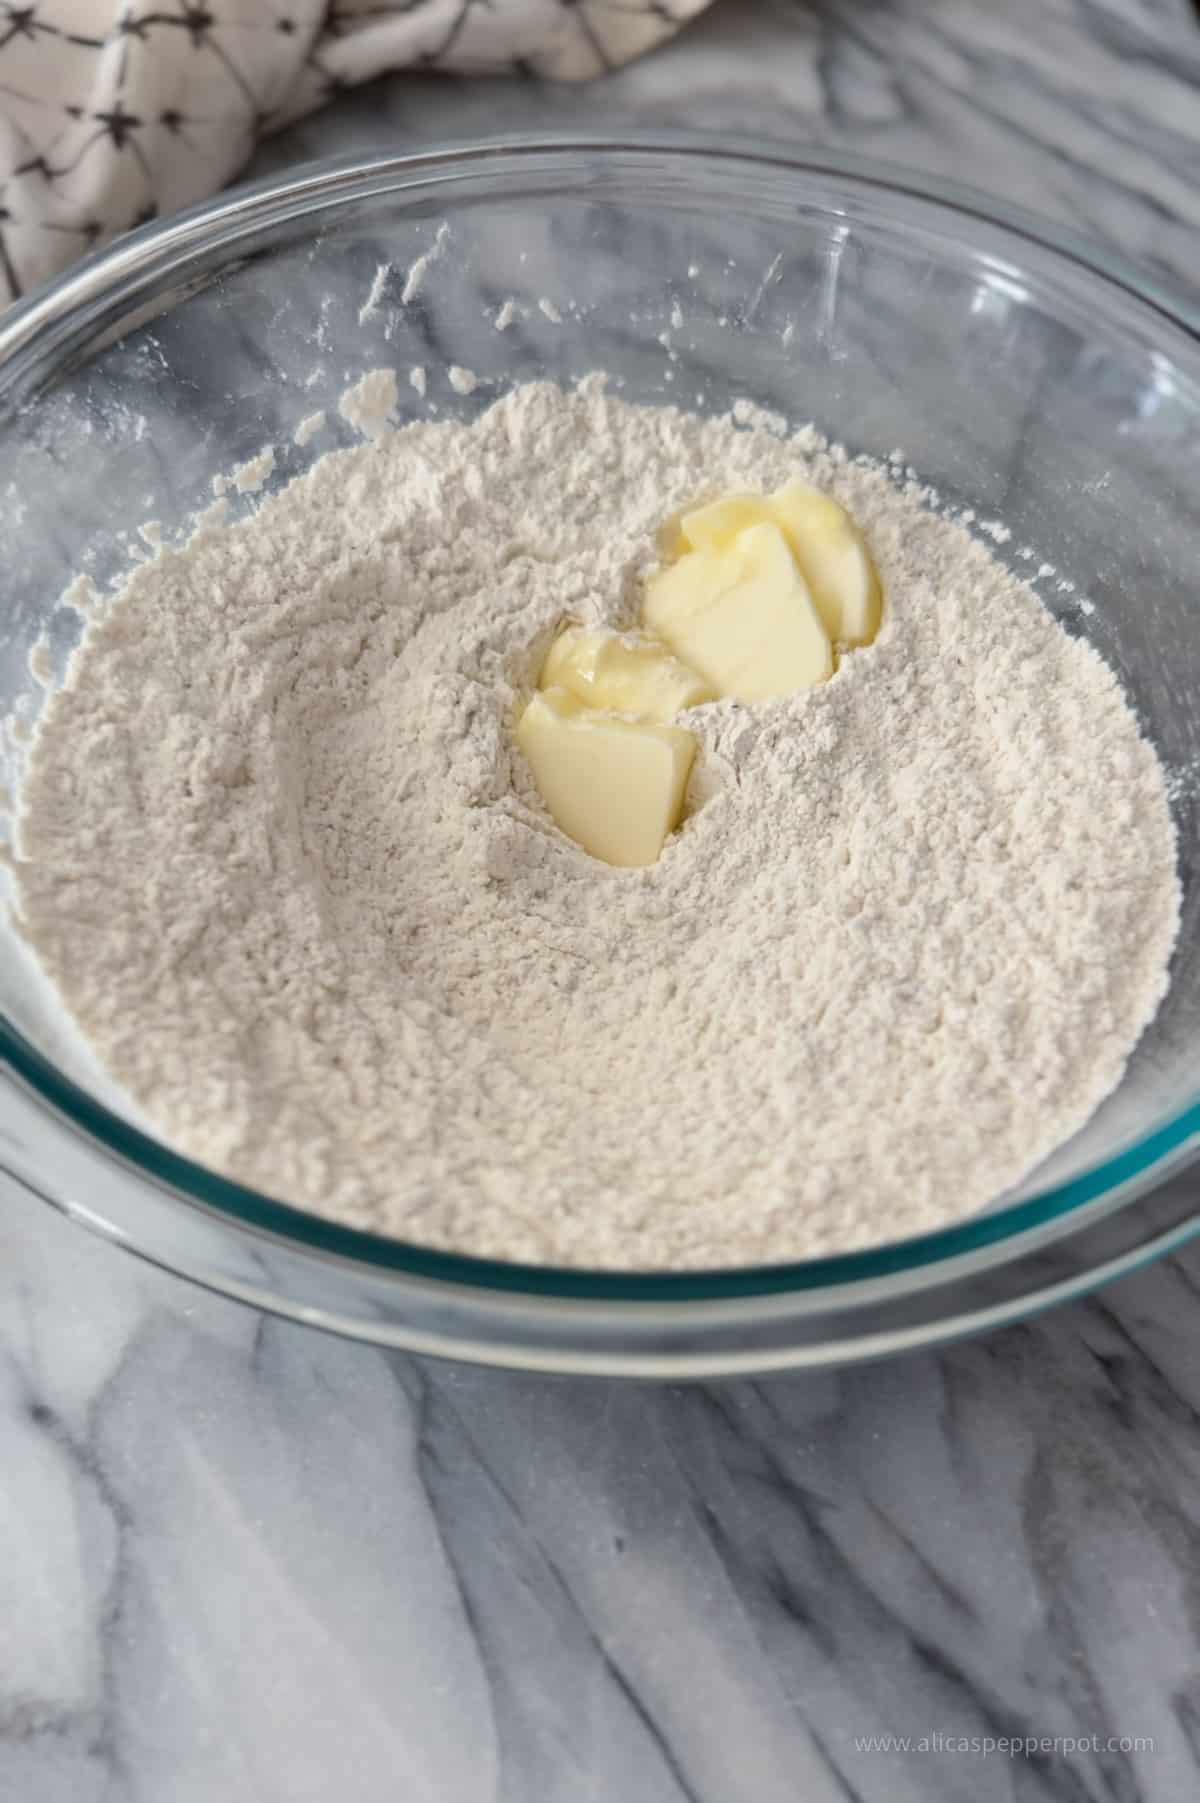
[242, 1560]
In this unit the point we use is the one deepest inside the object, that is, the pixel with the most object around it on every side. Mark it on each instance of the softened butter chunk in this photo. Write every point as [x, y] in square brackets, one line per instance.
[827, 544]
[836, 563]
[627, 672]
[714, 527]
[615, 786]
[743, 617]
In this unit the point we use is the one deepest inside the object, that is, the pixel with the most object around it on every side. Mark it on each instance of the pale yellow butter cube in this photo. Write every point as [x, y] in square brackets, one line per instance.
[836, 563]
[627, 672]
[714, 527]
[614, 786]
[829, 548]
[743, 617]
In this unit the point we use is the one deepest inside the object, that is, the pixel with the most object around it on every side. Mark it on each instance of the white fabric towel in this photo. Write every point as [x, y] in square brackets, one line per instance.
[114, 111]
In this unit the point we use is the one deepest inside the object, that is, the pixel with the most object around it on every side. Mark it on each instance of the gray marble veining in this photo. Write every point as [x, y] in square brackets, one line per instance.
[241, 1560]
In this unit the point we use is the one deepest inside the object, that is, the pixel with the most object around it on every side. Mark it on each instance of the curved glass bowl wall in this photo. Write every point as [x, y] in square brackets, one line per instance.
[1031, 377]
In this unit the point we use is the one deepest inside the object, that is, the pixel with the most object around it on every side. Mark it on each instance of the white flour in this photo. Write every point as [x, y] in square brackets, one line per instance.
[371, 403]
[308, 428]
[291, 876]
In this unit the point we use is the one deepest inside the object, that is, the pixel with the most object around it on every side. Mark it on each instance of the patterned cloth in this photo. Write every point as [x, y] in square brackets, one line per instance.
[113, 111]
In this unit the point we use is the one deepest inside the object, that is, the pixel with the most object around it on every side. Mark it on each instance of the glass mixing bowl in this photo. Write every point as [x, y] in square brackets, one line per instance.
[1035, 378]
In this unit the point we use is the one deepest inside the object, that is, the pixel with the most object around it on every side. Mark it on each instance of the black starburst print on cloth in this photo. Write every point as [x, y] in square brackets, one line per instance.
[115, 111]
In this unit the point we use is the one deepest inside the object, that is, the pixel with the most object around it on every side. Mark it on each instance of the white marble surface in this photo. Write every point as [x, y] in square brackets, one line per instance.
[239, 1560]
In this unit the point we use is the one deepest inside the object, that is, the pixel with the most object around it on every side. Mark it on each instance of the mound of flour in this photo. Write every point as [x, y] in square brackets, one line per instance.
[282, 859]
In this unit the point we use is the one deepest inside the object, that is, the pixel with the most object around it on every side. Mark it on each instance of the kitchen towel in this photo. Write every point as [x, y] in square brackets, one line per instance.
[115, 111]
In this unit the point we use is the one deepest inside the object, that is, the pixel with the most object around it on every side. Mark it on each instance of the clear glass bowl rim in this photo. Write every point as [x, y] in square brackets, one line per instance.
[111, 278]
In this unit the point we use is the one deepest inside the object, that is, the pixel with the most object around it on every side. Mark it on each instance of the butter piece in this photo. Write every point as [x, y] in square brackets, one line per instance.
[714, 528]
[743, 616]
[627, 672]
[836, 563]
[828, 546]
[614, 786]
